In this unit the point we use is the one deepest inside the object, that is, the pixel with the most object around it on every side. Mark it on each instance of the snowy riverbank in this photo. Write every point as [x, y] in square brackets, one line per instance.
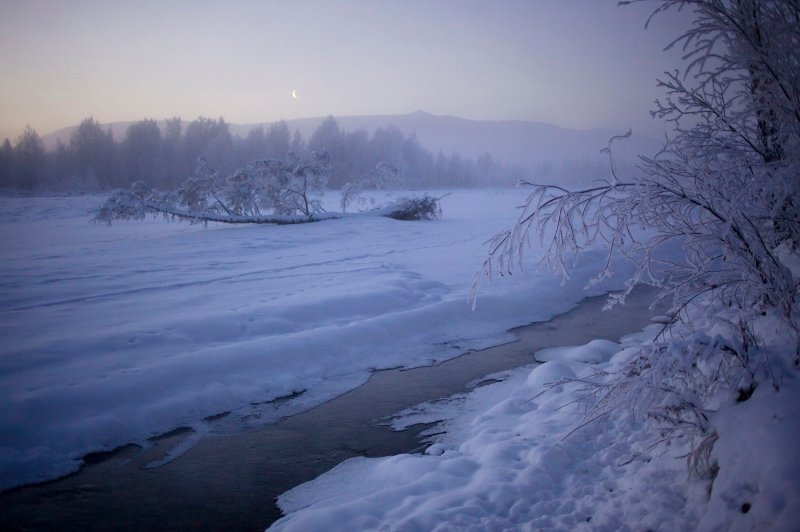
[116, 334]
[512, 459]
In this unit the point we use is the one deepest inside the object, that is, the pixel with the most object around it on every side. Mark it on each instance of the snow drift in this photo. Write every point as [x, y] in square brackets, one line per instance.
[117, 334]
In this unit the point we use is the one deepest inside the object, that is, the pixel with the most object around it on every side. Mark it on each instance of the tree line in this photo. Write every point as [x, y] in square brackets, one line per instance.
[165, 155]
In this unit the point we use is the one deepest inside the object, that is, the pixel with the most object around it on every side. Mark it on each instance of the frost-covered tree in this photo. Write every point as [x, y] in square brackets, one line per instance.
[330, 137]
[268, 192]
[355, 159]
[171, 154]
[278, 140]
[387, 145]
[282, 188]
[725, 187]
[381, 176]
[92, 152]
[298, 144]
[270, 144]
[291, 185]
[29, 159]
[141, 151]
[208, 139]
[6, 164]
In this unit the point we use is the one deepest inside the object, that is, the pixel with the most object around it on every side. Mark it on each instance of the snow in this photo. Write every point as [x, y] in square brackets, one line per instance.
[595, 351]
[512, 459]
[117, 334]
[758, 454]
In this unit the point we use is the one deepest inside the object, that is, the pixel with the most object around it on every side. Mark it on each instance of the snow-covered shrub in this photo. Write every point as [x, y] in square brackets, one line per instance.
[419, 208]
[726, 189]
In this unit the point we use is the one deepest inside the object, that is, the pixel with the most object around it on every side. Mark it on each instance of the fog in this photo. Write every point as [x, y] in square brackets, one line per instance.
[579, 64]
[426, 151]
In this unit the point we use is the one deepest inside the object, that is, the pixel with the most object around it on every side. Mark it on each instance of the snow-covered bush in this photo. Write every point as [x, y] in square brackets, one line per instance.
[725, 187]
[419, 208]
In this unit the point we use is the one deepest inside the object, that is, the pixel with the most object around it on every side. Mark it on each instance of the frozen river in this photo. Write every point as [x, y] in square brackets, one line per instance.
[117, 334]
[231, 481]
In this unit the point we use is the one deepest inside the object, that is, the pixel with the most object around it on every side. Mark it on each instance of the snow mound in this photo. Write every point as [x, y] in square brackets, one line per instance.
[758, 455]
[594, 352]
[549, 373]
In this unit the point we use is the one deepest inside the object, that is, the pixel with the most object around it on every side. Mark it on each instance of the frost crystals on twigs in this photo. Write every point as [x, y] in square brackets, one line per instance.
[725, 189]
[264, 192]
[269, 191]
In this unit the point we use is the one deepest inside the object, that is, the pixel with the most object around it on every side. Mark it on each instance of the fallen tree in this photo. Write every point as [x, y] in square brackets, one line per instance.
[264, 192]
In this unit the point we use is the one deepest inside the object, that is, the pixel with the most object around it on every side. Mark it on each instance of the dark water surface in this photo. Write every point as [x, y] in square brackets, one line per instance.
[230, 482]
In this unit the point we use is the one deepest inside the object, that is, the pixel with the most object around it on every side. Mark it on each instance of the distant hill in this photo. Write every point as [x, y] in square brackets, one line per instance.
[522, 143]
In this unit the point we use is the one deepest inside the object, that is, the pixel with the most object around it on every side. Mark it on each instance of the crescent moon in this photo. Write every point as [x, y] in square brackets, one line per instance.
[294, 94]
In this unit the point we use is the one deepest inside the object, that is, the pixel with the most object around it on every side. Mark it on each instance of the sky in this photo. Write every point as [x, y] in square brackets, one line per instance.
[573, 63]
